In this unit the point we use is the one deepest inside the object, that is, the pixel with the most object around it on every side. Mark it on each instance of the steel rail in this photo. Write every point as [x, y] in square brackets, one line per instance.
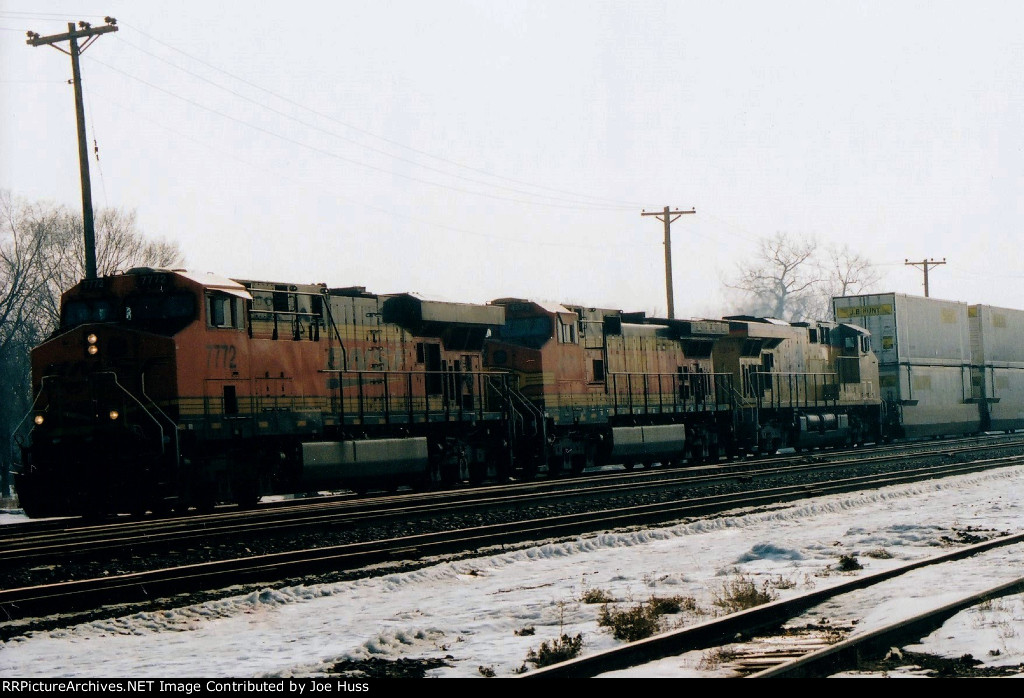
[29, 532]
[847, 654]
[721, 631]
[153, 534]
[145, 586]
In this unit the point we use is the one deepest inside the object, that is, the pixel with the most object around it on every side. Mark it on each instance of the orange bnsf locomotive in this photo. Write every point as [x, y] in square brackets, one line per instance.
[618, 387]
[168, 389]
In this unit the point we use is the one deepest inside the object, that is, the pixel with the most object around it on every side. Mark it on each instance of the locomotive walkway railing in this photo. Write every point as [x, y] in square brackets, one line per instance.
[404, 397]
[665, 393]
[172, 425]
[777, 389]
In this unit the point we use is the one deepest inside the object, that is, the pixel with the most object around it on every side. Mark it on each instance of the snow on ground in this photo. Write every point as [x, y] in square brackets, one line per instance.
[478, 613]
[9, 516]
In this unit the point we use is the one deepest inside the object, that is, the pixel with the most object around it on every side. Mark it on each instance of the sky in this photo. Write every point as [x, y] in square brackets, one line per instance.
[474, 609]
[471, 150]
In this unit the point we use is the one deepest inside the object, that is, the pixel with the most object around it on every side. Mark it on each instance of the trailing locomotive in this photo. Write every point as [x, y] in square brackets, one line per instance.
[169, 389]
[620, 387]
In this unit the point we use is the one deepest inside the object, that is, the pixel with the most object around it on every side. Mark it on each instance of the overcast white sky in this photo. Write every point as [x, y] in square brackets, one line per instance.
[472, 150]
[471, 609]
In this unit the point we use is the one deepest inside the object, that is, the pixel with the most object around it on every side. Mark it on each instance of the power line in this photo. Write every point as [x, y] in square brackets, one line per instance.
[42, 15]
[605, 202]
[206, 146]
[378, 151]
[337, 156]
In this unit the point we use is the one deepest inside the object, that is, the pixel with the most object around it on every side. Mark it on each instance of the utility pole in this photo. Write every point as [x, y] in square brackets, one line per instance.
[85, 31]
[924, 264]
[668, 217]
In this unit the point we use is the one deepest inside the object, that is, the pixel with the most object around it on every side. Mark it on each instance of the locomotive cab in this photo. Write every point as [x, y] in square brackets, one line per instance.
[103, 423]
[801, 384]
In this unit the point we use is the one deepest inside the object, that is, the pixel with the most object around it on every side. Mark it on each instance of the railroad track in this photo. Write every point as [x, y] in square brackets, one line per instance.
[768, 650]
[53, 530]
[89, 594]
[22, 548]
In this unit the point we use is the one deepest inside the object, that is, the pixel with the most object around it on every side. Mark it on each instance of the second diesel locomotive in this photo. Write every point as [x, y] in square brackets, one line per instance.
[169, 389]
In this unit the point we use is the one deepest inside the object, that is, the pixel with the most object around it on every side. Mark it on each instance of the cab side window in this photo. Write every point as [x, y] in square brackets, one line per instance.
[223, 310]
[566, 332]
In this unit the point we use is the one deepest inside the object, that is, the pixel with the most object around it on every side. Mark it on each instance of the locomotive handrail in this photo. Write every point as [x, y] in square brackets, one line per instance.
[31, 409]
[704, 390]
[174, 425]
[448, 390]
[514, 393]
[738, 400]
[775, 386]
[295, 313]
[139, 403]
[337, 333]
[512, 397]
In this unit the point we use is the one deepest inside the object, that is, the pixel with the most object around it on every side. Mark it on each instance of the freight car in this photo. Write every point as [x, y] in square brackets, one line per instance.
[945, 367]
[169, 389]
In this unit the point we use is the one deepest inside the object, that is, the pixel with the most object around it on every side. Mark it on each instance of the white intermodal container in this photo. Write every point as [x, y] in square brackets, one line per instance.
[924, 359]
[997, 358]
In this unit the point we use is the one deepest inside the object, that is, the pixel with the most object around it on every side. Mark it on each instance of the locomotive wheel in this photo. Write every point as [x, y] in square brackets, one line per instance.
[245, 493]
[161, 506]
[477, 473]
[206, 499]
[434, 478]
[529, 469]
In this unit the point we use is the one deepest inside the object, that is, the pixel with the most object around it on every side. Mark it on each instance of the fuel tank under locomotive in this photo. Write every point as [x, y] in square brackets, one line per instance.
[816, 429]
[645, 444]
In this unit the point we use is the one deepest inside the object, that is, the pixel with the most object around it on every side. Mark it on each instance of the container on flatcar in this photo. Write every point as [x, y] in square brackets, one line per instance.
[997, 365]
[923, 347]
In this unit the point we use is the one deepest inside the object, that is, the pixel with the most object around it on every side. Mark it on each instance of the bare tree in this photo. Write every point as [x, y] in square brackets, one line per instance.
[42, 254]
[780, 281]
[24, 245]
[790, 279]
[846, 273]
[119, 247]
[25, 241]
